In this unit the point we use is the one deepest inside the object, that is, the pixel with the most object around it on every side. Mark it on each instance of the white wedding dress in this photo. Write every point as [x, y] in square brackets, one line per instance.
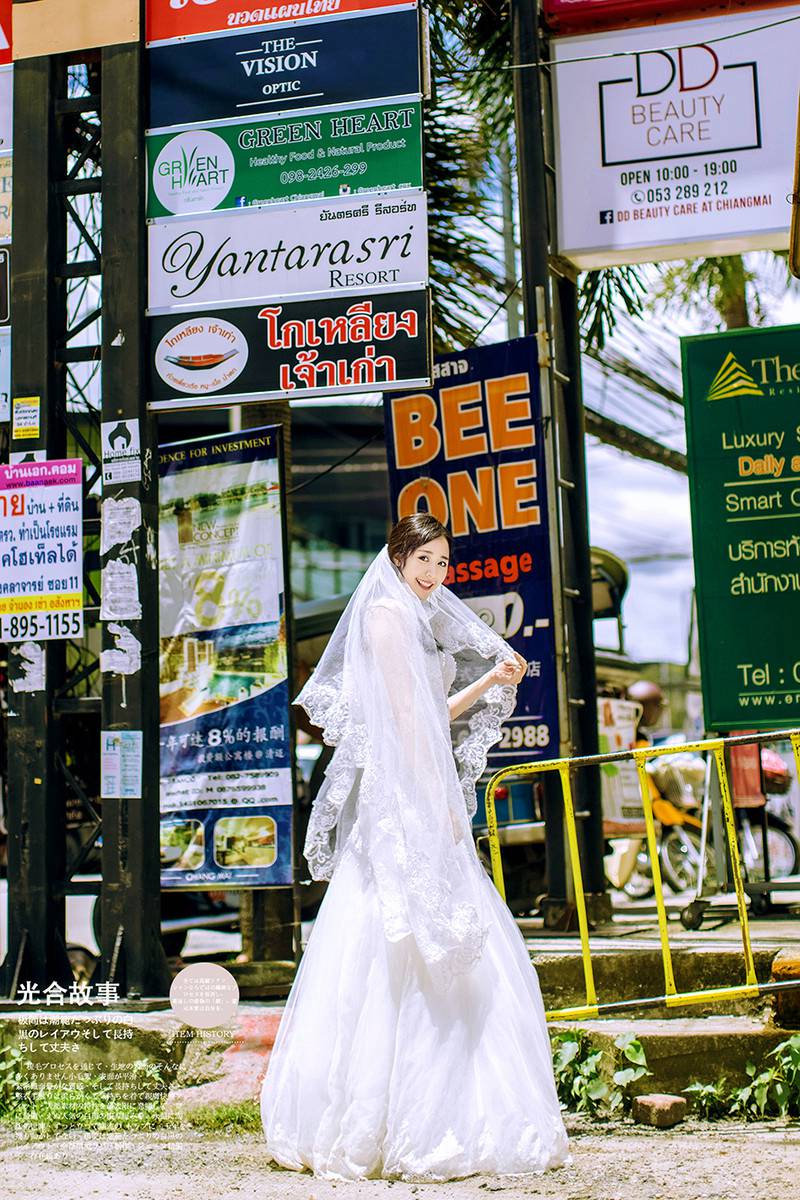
[413, 1044]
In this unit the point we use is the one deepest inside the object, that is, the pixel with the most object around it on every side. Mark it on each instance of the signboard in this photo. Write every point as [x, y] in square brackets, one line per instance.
[324, 153]
[63, 26]
[5, 375]
[226, 791]
[565, 15]
[619, 782]
[5, 286]
[742, 393]
[675, 153]
[469, 452]
[41, 551]
[186, 18]
[351, 245]
[5, 32]
[316, 347]
[263, 71]
[6, 161]
[6, 109]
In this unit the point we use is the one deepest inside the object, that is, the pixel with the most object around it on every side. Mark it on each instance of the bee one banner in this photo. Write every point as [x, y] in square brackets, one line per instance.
[327, 153]
[226, 789]
[469, 451]
[671, 143]
[742, 395]
[318, 247]
[187, 18]
[315, 347]
[245, 72]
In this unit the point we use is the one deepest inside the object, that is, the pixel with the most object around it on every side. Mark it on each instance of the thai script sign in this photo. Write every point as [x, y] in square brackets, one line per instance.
[186, 18]
[270, 349]
[226, 792]
[321, 154]
[352, 245]
[675, 152]
[469, 452]
[742, 392]
[266, 70]
[41, 551]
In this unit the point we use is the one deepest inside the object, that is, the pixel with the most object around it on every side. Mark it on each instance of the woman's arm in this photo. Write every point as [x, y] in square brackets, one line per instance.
[510, 671]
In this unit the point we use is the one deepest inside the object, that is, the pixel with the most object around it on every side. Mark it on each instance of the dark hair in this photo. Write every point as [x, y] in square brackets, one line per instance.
[412, 532]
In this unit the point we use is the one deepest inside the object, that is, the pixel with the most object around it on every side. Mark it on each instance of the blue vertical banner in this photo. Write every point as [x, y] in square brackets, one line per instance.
[470, 452]
[226, 786]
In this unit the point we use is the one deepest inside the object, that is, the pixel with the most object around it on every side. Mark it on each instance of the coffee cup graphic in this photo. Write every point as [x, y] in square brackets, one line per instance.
[502, 613]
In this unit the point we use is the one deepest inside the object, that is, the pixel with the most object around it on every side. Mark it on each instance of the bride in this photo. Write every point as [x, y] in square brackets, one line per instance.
[413, 1044]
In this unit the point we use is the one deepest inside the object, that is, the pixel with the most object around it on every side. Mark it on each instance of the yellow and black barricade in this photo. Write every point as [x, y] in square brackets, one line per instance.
[565, 768]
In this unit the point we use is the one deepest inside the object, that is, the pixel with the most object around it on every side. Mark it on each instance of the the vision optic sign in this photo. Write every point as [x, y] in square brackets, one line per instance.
[187, 18]
[325, 153]
[264, 70]
[316, 247]
[675, 152]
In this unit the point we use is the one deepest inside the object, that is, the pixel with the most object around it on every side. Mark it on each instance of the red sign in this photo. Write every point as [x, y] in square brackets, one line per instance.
[186, 18]
[572, 16]
[5, 32]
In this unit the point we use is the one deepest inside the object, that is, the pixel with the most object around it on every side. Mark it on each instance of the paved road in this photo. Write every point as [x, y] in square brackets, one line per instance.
[723, 1162]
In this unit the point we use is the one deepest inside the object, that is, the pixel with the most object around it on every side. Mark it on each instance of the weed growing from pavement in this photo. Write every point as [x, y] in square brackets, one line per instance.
[591, 1081]
[773, 1090]
[241, 1117]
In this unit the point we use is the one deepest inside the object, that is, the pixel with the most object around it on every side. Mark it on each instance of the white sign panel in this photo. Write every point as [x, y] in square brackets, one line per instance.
[673, 153]
[5, 375]
[6, 108]
[41, 551]
[316, 247]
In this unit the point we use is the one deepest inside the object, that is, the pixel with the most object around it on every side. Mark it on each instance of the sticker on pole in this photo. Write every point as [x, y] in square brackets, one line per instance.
[122, 452]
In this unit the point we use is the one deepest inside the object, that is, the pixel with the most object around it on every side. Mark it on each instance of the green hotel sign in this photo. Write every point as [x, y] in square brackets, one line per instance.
[320, 155]
[742, 396]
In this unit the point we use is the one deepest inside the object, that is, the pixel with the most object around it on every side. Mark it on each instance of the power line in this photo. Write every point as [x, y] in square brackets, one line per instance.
[561, 62]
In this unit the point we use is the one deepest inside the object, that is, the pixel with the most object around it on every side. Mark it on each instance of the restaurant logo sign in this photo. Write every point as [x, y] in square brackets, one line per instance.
[270, 349]
[194, 171]
[201, 355]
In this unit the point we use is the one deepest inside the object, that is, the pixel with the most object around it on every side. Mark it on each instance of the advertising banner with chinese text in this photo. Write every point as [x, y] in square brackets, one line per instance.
[327, 153]
[470, 452]
[742, 396]
[671, 152]
[358, 244]
[226, 790]
[240, 74]
[315, 347]
[187, 18]
[41, 550]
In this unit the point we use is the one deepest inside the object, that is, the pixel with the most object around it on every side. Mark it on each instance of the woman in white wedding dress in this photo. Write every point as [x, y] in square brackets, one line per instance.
[413, 1044]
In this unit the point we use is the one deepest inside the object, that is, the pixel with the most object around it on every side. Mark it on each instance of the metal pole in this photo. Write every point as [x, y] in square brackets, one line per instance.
[130, 896]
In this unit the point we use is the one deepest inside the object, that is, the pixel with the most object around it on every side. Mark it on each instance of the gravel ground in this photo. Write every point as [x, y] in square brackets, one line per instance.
[692, 1162]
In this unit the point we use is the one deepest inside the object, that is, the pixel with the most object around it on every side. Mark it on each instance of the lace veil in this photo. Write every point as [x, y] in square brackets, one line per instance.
[402, 779]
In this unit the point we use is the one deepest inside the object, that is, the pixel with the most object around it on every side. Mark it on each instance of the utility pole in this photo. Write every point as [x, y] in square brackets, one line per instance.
[551, 314]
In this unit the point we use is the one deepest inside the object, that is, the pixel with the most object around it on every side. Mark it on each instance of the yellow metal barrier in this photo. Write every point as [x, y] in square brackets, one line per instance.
[672, 998]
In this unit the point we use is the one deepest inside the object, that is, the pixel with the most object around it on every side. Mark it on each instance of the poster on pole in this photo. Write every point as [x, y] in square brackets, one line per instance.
[226, 787]
[252, 71]
[470, 452]
[671, 143]
[358, 244]
[41, 551]
[742, 396]
[327, 153]
[188, 18]
[316, 347]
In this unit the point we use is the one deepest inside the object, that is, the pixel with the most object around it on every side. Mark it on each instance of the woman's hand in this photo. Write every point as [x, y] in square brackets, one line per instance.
[510, 671]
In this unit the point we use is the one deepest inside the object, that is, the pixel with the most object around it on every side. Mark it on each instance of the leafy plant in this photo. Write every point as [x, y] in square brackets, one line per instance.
[771, 1091]
[711, 1100]
[11, 1080]
[635, 1068]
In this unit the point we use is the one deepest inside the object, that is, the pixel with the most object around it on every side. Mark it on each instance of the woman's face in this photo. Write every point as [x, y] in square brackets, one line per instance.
[425, 568]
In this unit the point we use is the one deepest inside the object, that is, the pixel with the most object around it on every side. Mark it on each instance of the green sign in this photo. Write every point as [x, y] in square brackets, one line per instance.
[742, 395]
[326, 153]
